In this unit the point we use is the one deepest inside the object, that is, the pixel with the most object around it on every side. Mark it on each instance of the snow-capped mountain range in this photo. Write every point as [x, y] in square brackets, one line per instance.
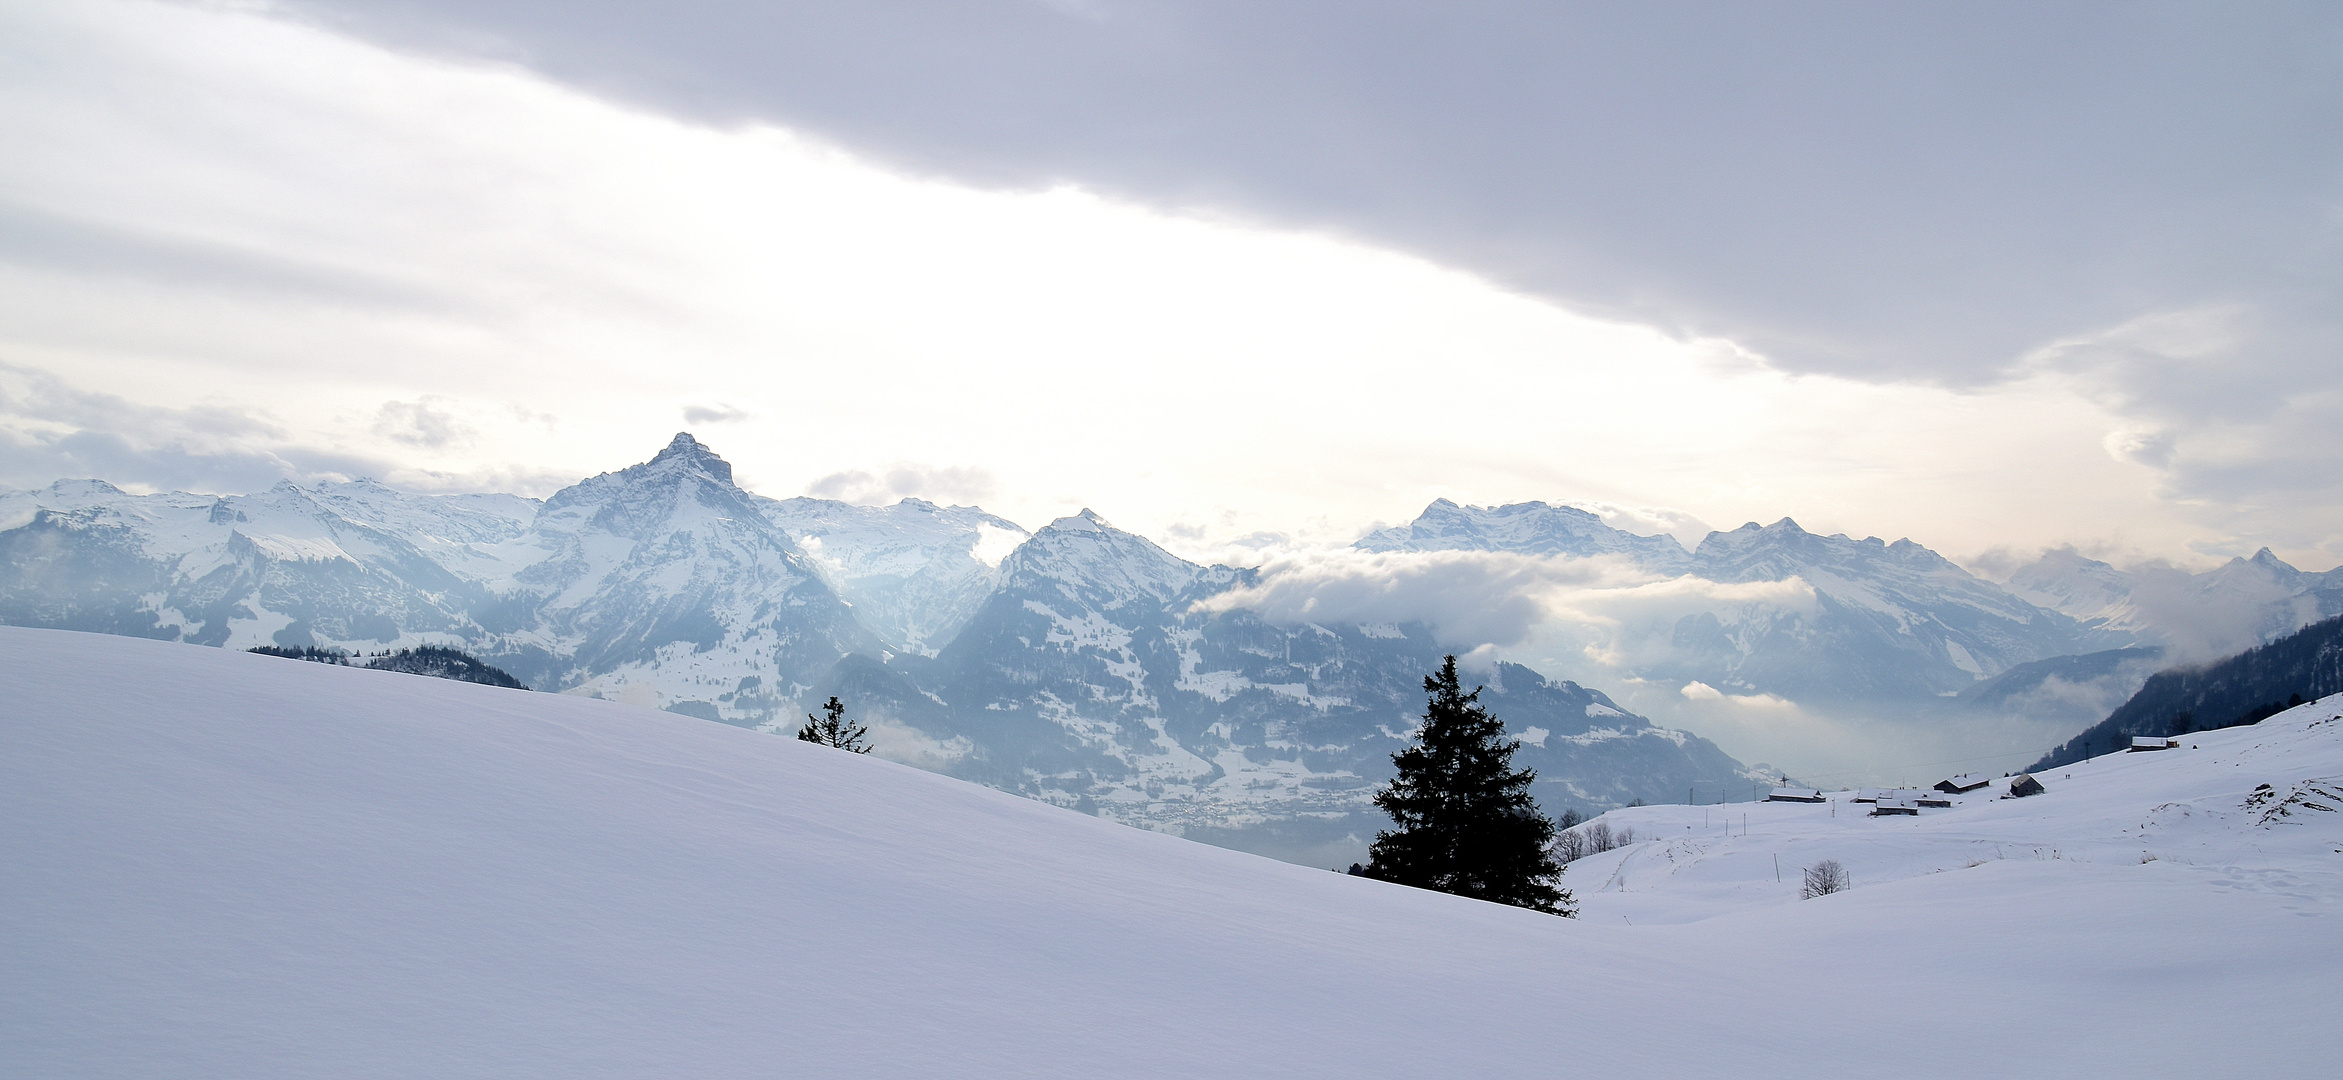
[2242, 603]
[1896, 624]
[1077, 664]
[1072, 665]
[1531, 528]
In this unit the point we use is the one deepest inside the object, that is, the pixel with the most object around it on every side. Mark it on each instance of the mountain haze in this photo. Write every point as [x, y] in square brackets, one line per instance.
[1077, 665]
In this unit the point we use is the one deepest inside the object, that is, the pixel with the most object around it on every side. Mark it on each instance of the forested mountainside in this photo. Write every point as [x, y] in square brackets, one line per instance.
[2259, 682]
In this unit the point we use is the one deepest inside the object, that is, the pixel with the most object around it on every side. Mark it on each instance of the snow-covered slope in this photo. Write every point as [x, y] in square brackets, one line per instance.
[915, 572]
[219, 864]
[2255, 810]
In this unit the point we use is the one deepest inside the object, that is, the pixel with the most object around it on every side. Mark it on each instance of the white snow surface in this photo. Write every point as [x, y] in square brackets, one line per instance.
[2174, 821]
[221, 864]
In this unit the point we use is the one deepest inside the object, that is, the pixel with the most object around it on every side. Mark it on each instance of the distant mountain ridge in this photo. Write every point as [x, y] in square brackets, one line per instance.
[1076, 667]
[1890, 623]
[1531, 528]
[1077, 664]
[915, 572]
[2259, 682]
[2218, 612]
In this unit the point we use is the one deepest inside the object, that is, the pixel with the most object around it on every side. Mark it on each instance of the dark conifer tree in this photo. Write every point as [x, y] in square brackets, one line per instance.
[1465, 821]
[831, 729]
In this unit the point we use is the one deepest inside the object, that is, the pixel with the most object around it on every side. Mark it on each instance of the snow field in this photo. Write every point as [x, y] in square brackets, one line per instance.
[216, 864]
[2185, 807]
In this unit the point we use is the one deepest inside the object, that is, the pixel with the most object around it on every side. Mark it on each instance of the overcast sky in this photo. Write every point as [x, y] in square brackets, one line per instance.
[1984, 275]
[1247, 278]
[1981, 275]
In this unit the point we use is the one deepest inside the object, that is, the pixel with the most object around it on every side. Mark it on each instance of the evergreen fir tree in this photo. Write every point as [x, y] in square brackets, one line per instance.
[1465, 821]
[831, 729]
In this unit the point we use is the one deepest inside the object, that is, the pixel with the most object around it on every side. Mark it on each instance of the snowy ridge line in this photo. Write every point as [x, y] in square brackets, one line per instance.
[222, 864]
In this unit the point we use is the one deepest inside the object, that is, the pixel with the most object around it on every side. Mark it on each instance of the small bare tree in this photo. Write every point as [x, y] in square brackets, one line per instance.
[1623, 837]
[1824, 878]
[1598, 838]
[1569, 847]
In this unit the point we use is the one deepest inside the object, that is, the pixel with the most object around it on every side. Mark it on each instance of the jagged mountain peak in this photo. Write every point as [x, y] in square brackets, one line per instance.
[689, 452]
[83, 489]
[2263, 565]
[1530, 528]
[1769, 552]
[1087, 520]
[1785, 529]
[679, 479]
[1083, 554]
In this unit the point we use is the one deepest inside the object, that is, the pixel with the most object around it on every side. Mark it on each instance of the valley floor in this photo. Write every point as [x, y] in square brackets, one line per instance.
[219, 864]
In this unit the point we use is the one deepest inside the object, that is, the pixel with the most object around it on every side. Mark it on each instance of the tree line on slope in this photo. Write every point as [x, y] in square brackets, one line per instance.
[2243, 689]
[436, 661]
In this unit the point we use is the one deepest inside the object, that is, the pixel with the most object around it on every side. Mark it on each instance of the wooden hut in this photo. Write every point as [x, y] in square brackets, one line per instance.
[2025, 785]
[2151, 742]
[1962, 783]
[1894, 807]
[1793, 794]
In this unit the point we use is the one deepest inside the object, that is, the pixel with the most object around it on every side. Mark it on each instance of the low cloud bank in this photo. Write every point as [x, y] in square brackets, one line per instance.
[1473, 599]
[952, 485]
[1603, 621]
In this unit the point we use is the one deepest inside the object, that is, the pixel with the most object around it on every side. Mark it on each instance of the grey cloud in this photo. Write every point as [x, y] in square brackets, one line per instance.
[2204, 623]
[1611, 613]
[422, 423]
[1957, 194]
[36, 396]
[1884, 190]
[51, 430]
[38, 239]
[1471, 598]
[945, 484]
[712, 414]
[35, 461]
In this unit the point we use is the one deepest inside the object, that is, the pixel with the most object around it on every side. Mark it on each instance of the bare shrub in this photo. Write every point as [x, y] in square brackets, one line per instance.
[1569, 846]
[1824, 878]
[1623, 837]
[1598, 838]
